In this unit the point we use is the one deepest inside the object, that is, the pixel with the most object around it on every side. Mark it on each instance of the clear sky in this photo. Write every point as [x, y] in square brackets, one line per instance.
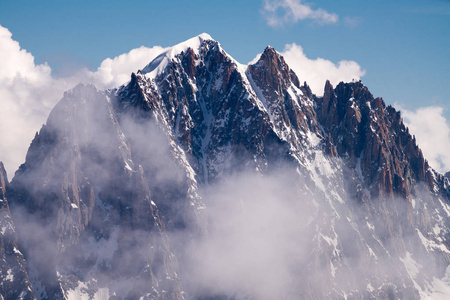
[403, 46]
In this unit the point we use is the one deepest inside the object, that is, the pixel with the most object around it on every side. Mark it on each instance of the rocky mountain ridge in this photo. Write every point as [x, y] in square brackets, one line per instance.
[111, 197]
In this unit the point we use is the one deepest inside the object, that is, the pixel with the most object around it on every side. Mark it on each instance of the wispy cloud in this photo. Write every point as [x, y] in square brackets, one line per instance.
[280, 12]
[352, 22]
[432, 132]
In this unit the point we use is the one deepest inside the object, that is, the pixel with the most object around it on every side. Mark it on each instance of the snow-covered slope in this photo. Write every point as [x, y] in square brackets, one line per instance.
[158, 65]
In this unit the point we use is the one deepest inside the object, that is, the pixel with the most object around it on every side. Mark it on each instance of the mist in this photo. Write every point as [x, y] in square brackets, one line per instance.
[256, 236]
[113, 214]
[268, 239]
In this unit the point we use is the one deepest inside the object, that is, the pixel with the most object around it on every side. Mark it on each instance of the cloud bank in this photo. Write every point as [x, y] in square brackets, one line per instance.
[28, 91]
[316, 71]
[432, 133]
[25, 99]
[116, 71]
[280, 12]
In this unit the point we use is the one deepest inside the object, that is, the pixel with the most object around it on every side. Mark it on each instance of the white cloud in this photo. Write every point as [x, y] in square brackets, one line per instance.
[27, 94]
[18, 64]
[316, 71]
[432, 133]
[116, 71]
[280, 12]
[28, 91]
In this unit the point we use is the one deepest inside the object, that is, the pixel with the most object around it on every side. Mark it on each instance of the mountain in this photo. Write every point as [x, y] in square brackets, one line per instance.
[15, 283]
[202, 178]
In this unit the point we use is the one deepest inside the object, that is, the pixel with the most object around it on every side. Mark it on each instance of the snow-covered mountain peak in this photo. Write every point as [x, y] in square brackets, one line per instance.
[204, 36]
[158, 65]
[199, 152]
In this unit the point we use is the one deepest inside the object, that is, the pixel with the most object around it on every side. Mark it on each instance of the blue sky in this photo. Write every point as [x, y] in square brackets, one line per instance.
[403, 46]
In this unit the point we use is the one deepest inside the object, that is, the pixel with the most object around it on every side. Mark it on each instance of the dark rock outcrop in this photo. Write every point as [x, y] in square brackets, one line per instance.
[372, 136]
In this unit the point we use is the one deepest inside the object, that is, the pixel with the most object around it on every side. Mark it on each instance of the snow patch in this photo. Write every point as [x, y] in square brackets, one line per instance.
[314, 139]
[412, 267]
[81, 293]
[9, 276]
[436, 229]
[370, 225]
[331, 242]
[445, 207]
[333, 269]
[441, 287]
[261, 101]
[159, 64]
[127, 166]
[431, 245]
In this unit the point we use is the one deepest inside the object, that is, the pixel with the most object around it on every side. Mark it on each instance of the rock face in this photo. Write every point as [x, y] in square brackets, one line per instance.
[14, 279]
[86, 209]
[372, 135]
[110, 202]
